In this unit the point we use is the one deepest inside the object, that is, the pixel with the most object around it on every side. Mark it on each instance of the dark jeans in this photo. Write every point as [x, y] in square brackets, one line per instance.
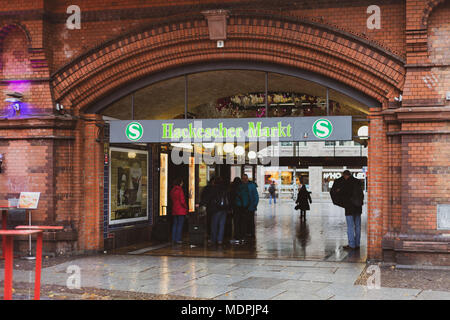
[353, 230]
[177, 228]
[218, 226]
[240, 223]
[250, 223]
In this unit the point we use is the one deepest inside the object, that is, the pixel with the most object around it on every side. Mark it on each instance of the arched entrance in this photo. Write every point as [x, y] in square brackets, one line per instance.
[332, 57]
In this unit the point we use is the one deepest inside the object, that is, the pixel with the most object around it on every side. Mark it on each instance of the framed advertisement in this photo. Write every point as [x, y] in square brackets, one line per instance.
[128, 189]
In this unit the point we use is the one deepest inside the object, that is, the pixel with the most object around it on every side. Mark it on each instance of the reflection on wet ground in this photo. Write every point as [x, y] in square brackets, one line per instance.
[281, 234]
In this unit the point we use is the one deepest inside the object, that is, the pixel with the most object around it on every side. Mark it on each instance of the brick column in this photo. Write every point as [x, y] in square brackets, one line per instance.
[377, 184]
[90, 167]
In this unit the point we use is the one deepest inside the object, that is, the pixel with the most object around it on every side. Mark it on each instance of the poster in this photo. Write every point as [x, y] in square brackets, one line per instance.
[28, 200]
[191, 184]
[164, 157]
[128, 185]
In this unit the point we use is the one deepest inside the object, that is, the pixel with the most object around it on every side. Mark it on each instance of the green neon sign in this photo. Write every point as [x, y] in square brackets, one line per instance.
[255, 129]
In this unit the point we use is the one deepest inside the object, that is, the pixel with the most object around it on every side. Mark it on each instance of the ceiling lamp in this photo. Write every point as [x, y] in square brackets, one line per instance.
[182, 145]
[252, 155]
[363, 132]
[239, 151]
[228, 147]
[131, 155]
[209, 145]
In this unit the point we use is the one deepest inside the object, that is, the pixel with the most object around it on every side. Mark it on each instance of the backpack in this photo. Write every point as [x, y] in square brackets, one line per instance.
[222, 201]
[271, 189]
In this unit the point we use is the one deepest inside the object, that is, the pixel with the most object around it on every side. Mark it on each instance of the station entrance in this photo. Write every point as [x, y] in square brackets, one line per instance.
[141, 174]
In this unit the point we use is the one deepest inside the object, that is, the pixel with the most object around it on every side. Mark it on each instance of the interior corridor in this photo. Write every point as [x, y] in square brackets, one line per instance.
[280, 234]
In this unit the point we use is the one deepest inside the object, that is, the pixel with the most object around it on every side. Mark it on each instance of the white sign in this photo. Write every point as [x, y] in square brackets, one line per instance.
[28, 200]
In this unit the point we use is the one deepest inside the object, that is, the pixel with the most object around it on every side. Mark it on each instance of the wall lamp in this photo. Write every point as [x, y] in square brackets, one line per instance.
[15, 100]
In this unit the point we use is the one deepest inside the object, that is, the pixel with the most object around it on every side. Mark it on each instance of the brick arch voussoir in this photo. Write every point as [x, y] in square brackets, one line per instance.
[87, 94]
[325, 51]
[431, 5]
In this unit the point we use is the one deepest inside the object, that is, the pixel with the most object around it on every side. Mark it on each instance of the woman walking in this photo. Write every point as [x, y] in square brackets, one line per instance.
[303, 200]
[179, 210]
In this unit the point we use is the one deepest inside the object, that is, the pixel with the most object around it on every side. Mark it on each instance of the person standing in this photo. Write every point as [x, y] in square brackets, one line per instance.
[272, 193]
[253, 205]
[219, 205]
[347, 192]
[303, 200]
[204, 200]
[236, 224]
[179, 210]
[241, 204]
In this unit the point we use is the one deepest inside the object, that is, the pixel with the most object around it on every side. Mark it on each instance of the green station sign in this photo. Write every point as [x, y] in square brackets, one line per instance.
[335, 128]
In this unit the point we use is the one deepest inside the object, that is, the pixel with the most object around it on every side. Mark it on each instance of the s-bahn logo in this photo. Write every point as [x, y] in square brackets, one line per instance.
[134, 131]
[322, 128]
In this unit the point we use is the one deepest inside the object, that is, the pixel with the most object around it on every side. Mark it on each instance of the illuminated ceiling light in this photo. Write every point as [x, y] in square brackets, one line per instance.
[182, 145]
[131, 155]
[228, 147]
[252, 155]
[239, 151]
[363, 132]
[209, 145]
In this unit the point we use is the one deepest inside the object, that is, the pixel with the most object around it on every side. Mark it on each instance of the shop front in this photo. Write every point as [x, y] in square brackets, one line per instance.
[145, 156]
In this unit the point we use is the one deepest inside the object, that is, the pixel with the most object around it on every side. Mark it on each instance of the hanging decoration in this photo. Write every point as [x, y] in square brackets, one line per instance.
[280, 104]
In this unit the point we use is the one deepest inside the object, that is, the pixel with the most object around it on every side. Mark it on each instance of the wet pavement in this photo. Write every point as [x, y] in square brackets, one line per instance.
[218, 278]
[290, 260]
[281, 234]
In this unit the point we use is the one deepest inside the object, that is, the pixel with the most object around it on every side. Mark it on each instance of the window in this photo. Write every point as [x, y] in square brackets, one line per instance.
[128, 185]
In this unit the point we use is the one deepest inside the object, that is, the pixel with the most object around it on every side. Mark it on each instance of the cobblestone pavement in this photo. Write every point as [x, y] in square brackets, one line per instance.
[159, 277]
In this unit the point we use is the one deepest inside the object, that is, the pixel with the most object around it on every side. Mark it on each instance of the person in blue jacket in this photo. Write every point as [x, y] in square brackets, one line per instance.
[252, 206]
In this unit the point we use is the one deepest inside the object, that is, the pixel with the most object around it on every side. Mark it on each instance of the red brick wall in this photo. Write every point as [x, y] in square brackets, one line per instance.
[408, 161]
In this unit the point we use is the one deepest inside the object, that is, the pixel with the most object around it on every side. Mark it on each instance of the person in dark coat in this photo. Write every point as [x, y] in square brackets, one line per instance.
[240, 200]
[347, 192]
[204, 199]
[303, 200]
[219, 204]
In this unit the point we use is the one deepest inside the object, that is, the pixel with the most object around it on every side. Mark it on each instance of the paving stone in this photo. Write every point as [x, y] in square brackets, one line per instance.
[257, 282]
[301, 286]
[296, 295]
[218, 279]
[276, 274]
[330, 278]
[203, 291]
[250, 294]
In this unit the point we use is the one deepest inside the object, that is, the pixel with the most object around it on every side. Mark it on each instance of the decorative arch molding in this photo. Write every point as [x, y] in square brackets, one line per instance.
[295, 43]
[431, 5]
[37, 56]
[6, 29]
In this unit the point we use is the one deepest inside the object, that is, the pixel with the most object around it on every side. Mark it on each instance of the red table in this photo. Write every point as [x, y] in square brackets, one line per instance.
[5, 225]
[8, 237]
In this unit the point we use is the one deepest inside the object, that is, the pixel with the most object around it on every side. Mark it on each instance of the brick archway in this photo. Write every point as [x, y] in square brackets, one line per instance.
[324, 50]
[286, 42]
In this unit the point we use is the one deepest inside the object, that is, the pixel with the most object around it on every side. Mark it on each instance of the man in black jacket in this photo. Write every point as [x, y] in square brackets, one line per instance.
[347, 193]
